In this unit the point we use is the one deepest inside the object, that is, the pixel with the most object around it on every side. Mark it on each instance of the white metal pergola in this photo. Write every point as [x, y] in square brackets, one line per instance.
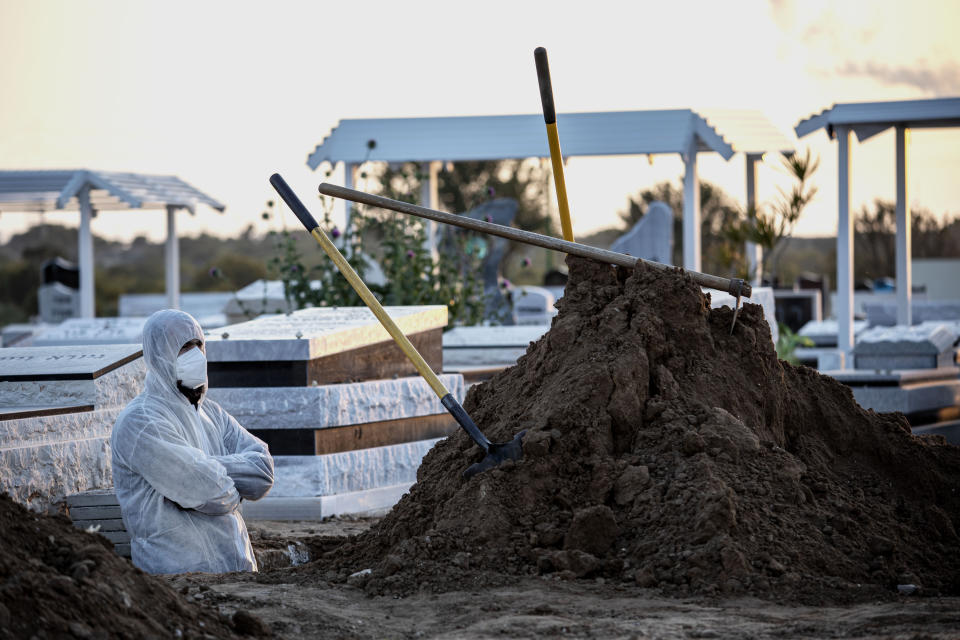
[867, 119]
[433, 141]
[91, 191]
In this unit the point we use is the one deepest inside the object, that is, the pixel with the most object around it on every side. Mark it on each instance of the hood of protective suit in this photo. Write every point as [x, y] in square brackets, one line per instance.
[164, 334]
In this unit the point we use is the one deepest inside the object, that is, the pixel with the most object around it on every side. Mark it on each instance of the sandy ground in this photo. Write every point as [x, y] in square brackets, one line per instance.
[542, 608]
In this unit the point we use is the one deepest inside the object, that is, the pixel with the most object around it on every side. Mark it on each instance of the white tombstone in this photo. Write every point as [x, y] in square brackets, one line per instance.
[57, 302]
[205, 306]
[651, 238]
[533, 305]
[92, 331]
[57, 408]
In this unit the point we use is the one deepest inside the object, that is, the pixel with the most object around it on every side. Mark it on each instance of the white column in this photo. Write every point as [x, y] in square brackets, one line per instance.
[691, 210]
[430, 198]
[844, 310]
[753, 250]
[349, 168]
[85, 254]
[904, 267]
[172, 259]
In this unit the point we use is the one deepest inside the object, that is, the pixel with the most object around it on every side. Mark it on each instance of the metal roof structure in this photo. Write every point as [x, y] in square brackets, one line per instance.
[91, 191]
[451, 139]
[465, 138]
[47, 190]
[867, 119]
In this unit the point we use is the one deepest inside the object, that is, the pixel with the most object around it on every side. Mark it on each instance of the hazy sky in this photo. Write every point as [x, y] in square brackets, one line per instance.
[223, 94]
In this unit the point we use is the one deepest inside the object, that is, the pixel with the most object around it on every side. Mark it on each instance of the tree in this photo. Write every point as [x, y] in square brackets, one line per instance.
[771, 226]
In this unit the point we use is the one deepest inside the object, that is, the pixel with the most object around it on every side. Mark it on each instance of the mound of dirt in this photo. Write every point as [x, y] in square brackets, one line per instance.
[664, 452]
[57, 581]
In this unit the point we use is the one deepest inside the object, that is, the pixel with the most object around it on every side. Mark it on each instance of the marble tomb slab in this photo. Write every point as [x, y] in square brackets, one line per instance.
[465, 347]
[322, 346]
[92, 331]
[99, 375]
[60, 405]
[928, 345]
[915, 393]
[823, 333]
[309, 334]
[335, 405]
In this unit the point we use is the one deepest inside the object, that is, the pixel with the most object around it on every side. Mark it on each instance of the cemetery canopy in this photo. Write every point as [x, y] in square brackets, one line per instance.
[451, 139]
[92, 191]
[867, 119]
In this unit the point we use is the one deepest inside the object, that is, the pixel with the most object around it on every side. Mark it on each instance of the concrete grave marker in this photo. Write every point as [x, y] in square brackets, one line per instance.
[322, 346]
[59, 407]
[533, 305]
[92, 331]
[651, 238]
[924, 346]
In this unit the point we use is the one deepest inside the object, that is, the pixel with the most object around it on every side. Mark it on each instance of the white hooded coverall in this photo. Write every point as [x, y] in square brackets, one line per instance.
[180, 471]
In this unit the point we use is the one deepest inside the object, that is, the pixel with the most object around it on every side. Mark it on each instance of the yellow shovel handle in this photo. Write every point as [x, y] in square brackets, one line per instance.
[364, 292]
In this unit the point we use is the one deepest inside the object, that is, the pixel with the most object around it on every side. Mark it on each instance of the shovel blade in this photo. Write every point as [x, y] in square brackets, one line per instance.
[497, 454]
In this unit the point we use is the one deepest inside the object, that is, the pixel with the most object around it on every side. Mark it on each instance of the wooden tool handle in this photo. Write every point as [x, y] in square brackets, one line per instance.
[732, 286]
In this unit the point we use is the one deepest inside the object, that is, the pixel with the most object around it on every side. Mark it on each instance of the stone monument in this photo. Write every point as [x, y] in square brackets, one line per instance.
[57, 408]
[651, 238]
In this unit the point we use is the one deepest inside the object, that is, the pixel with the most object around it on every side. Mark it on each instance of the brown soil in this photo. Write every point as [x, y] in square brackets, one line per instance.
[57, 581]
[663, 452]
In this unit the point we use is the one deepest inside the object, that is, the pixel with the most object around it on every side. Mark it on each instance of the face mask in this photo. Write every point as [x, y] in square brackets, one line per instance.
[192, 368]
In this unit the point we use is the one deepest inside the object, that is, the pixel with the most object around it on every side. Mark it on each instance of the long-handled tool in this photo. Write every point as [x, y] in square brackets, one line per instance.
[733, 286]
[495, 453]
[553, 138]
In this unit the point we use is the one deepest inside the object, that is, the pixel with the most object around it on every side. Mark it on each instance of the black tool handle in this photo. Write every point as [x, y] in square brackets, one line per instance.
[463, 418]
[293, 202]
[546, 87]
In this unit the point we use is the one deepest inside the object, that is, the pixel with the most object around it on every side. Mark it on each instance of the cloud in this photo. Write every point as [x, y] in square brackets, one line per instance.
[941, 81]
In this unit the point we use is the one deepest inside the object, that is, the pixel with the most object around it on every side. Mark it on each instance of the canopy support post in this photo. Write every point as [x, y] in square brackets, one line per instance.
[691, 209]
[430, 198]
[903, 251]
[753, 250]
[172, 259]
[85, 254]
[844, 311]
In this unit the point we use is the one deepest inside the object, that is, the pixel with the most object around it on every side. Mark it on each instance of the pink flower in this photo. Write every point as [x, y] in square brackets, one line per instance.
[410, 254]
[335, 233]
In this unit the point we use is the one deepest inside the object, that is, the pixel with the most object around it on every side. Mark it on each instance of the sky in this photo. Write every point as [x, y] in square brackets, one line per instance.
[223, 94]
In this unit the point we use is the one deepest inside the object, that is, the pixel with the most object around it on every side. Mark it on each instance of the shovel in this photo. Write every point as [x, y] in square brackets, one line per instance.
[495, 453]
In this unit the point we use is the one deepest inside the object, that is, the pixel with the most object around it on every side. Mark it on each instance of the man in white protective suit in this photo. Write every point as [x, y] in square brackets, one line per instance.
[181, 464]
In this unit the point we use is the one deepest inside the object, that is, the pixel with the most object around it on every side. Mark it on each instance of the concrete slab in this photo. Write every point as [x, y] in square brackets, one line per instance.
[92, 331]
[371, 502]
[335, 405]
[309, 334]
[359, 470]
[823, 333]
[471, 347]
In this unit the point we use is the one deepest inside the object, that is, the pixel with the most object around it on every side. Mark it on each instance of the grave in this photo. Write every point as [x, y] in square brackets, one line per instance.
[924, 346]
[651, 238]
[57, 408]
[207, 306]
[479, 352]
[823, 355]
[885, 313]
[533, 305]
[922, 395]
[258, 298]
[91, 331]
[346, 416]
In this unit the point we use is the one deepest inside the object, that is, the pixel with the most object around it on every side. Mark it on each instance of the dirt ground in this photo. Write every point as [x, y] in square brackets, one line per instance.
[538, 607]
